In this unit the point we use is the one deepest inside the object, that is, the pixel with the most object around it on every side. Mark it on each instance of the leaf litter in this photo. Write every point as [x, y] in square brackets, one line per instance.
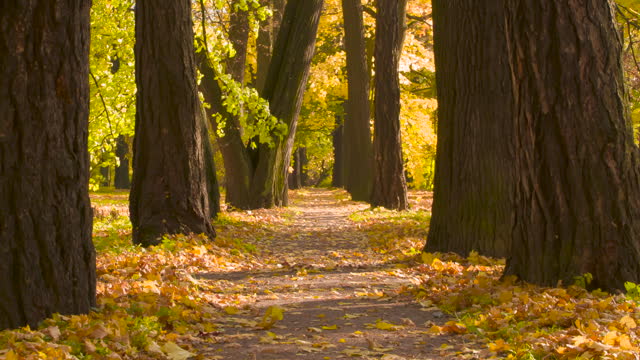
[324, 279]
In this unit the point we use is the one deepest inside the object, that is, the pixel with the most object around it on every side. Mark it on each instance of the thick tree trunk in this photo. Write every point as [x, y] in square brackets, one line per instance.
[47, 259]
[284, 88]
[338, 157]
[577, 168]
[121, 180]
[169, 193]
[389, 184]
[357, 129]
[474, 180]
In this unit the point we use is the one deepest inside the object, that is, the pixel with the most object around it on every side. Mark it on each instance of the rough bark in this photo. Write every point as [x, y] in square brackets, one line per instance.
[389, 185]
[357, 129]
[47, 259]
[474, 180]
[266, 39]
[338, 157]
[169, 193]
[577, 168]
[121, 180]
[284, 88]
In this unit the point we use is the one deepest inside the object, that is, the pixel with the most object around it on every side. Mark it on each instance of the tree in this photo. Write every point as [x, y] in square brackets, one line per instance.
[338, 154]
[358, 149]
[121, 180]
[168, 193]
[284, 88]
[389, 184]
[473, 194]
[261, 167]
[47, 259]
[577, 168]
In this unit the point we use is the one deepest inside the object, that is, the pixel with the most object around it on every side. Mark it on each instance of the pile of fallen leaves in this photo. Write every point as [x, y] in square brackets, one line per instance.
[149, 304]
[523, 321]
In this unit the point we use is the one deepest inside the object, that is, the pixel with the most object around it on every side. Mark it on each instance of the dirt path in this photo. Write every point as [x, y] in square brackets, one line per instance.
[338, 297]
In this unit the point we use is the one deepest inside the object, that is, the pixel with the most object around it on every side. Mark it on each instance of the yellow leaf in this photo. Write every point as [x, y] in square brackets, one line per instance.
[342, 341]
[272, 315]
[11, 356]
[454, 328]
[231, 310]
[175, 352]
[383, 325]
[610, 338]
[625, 343]
[628, 322]
[499, 346]
[332, 327]
[427, 258]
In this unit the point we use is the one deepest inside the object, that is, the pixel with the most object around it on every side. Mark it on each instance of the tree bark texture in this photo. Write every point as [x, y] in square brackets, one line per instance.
[577, 169]
[357, 129]
[47, 259]
[338, 157]
[121, 180]
[266, 39]
[169, 193]
[474, 179]
[284, 88]
[389, 184]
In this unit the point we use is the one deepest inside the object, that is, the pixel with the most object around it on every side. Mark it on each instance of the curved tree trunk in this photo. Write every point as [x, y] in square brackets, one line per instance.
[578, 174]
[473, 195]
[284, 88]
[389, 184]
[169, 193]
[47, 259]
[357, 129]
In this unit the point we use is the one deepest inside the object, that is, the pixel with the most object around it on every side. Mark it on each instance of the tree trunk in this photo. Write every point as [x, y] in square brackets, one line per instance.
[47, 259]
[284, 88]
[338, 157]
[169, 193]
[121, 180]
[473, 195]
[236, 160]
[295, 179]
[213, 188]
[304, 161]
[577, 168]
[266, 38]
[389, 184]
[357, 129]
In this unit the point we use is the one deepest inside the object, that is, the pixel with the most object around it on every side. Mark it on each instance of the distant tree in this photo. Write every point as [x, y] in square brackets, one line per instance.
[47, 259]
[338, 156]
[357, 128]
[121, 180]
[474, 180]
[169, 193]
[577, 168]
[389, 184]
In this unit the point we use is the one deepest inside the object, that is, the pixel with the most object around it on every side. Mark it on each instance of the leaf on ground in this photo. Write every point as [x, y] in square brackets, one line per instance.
[175, 352]
[273, 314]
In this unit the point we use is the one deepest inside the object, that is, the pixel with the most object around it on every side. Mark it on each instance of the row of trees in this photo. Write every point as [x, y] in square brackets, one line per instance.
[536, 156]
[45, 214]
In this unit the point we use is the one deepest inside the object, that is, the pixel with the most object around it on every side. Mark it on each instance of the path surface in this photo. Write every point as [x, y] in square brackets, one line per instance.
[340, 299]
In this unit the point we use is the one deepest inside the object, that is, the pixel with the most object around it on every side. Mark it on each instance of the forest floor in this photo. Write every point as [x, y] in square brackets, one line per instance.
[325, 278]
